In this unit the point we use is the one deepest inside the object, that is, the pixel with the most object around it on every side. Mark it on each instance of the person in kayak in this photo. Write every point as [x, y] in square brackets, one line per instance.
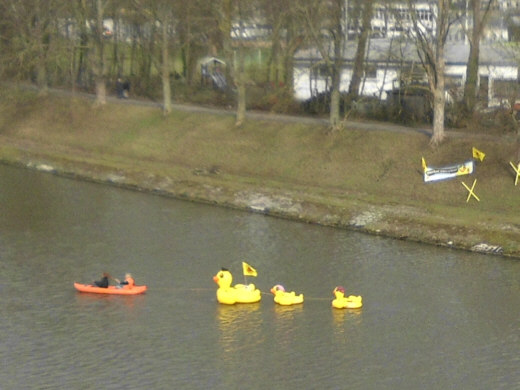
[128, 282]
[104, 281]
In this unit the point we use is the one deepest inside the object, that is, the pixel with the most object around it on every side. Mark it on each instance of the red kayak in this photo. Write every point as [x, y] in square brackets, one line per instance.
[90, 288]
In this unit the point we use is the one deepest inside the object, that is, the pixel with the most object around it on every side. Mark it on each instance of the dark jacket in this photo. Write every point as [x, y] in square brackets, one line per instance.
[102, 283]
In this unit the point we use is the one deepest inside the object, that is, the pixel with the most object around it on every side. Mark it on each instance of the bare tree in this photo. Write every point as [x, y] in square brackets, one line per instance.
[230, 14]
[479, 17]
[286, 39]
[90, 17]
[366, 10]
[294, 38]
[166, 22]
[325, 25]
[29, 39]
[194, 28]
[161, 13]
[430, 42]
[100, 66]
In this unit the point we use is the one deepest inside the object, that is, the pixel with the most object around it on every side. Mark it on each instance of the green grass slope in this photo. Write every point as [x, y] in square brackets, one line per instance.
[365, 179]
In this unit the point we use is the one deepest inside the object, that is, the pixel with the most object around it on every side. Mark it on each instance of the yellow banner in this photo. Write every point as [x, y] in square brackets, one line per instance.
[248, 270]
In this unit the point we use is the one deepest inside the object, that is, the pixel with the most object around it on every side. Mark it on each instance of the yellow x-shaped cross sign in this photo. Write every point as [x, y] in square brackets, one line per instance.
[517, 170]
[471, 192]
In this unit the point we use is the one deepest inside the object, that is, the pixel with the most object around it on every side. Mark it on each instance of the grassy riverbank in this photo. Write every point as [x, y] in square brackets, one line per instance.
[363, 179]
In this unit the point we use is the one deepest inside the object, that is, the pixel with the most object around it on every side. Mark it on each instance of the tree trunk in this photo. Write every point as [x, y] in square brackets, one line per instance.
[133, 48]
[101, 91]
[293, 43]
[431, 47]
[273, 60]
[239, 75]
[240, 79]
[41, 75]
[184, 31]
[334, 118]
[41, 66]
[165, 73]
[335, 123]
[116, 67]
[438, 116]
[225, 23]
[470, 86]
[241, 104]
[359, 60]
[99, 68]
[339, 42]
[439, 97]
[81, 69]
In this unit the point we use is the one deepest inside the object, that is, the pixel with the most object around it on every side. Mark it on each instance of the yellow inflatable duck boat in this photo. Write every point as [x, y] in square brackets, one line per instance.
[342, 302]
[285, 298]
[239, 293]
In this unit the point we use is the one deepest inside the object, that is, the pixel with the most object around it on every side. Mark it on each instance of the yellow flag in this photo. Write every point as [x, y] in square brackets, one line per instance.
[477, 154]
[248, 270]
[424, 167]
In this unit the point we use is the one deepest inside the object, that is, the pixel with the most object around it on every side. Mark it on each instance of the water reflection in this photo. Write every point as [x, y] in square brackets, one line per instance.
[432, 318]
[285, 326]
[240, 335]
[123, 304]
[288, 313]
[346, 323]
[239, 326]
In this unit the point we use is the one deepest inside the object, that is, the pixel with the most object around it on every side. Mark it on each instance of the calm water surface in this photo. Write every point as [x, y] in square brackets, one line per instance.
[433, 318]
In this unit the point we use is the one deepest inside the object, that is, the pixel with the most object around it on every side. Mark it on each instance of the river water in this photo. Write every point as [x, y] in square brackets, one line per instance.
[433, 318]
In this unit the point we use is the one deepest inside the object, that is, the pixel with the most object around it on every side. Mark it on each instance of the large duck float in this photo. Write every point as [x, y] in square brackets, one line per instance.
[116, 290]
[285, 298]
[239, 293]
[342, 302]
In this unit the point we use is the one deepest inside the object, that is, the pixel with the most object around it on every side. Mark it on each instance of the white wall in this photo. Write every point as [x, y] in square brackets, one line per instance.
[372, 86]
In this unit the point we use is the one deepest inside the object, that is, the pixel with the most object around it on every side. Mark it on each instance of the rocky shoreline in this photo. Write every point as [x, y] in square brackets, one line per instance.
[399, 222]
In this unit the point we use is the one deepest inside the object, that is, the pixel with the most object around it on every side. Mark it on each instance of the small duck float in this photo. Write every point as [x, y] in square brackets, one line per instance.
[286, 298]
[239, 293]
[342, 302]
